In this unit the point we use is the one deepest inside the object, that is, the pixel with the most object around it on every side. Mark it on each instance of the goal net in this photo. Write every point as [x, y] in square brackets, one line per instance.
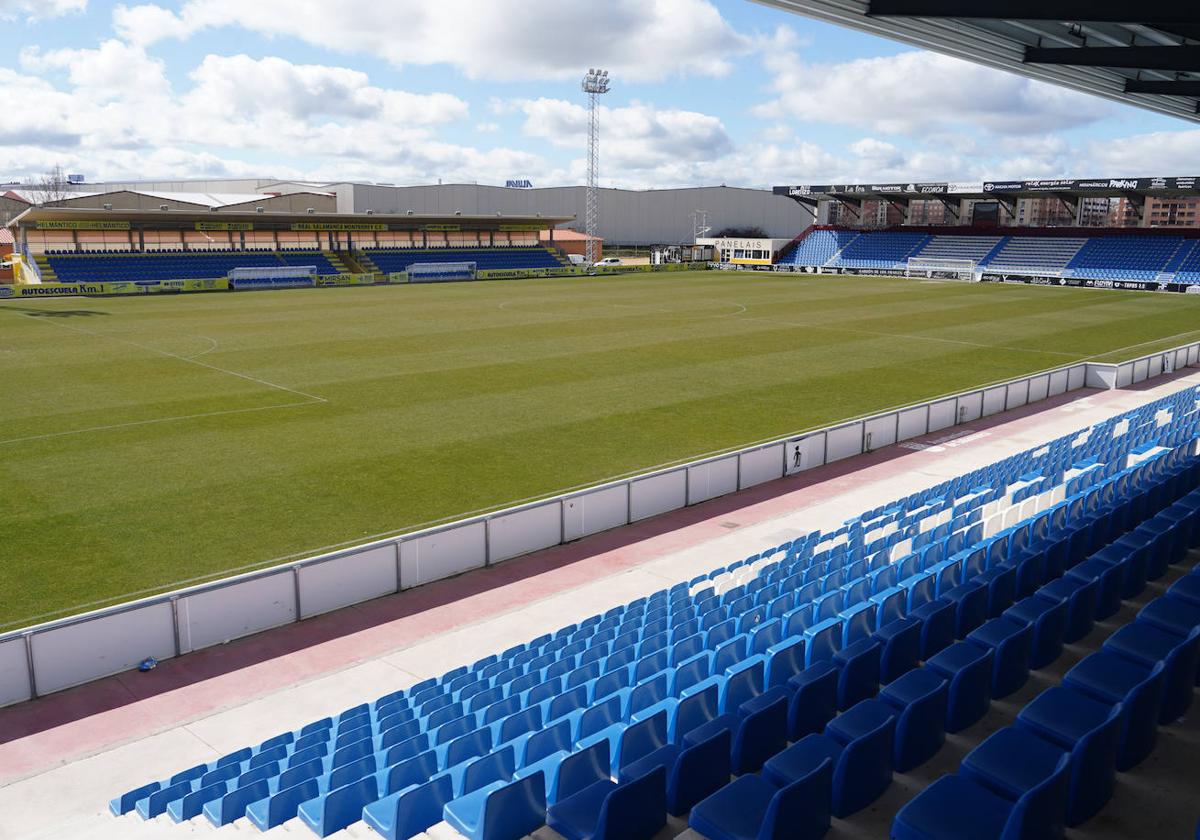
[440, 272]
[942, 269]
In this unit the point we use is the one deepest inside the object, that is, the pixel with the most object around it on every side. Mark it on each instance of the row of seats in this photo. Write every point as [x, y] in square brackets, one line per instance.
[817, 248]
[390, 261]
[697, 652]
[881, 250]
[850, 764]
[1056, 766]
[1035, 254]
[191, 265]
[1129, 256]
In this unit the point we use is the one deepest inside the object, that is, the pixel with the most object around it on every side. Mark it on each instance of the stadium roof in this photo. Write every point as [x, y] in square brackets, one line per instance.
[1145, 53]
[277, 219]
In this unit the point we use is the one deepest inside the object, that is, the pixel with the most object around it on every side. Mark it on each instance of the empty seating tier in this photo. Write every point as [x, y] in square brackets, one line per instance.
[390, 261]
[176, 265]
[818, 247]
[1124, 257]
[885, 250]
[973, 248]
[1047, 255]
[770, 668]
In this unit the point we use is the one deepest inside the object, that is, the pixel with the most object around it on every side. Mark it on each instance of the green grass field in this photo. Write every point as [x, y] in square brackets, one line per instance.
[148, 443]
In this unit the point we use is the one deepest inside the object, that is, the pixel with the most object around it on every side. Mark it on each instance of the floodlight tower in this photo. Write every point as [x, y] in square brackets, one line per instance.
[594, 84]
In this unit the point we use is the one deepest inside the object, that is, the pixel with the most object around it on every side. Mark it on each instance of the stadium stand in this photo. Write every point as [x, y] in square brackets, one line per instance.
[389, 261]
[1124, 257]
[887, 250]
[818, 247]
[177, 265]
[1189, 264]
[771, 668]
[1035, 255]
[975, 248]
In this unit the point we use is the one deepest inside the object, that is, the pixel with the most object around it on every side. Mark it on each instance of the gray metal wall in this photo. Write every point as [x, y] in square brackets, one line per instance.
[627, 217]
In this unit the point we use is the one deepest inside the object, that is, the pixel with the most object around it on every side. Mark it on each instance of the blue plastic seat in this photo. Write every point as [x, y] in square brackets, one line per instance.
[784, 660]
[919, 699]
[1047, 618]
[693, 772]
[1146, 644]
[409, 811]
[156, 802]
[900, 650]
[1112, 679]
[1080, 599]
[937, 626]
[858, 671]
[1174, 615]
[282, 806]
[859, 742]
[339, 807]
[1010, 642]
[760, 730]
[1109, 580]
[813, 704]
[968, 668]
[501, 810]
[192, 804]
[232, 806]
[633, 810]
[750, 808]
[1090, 731]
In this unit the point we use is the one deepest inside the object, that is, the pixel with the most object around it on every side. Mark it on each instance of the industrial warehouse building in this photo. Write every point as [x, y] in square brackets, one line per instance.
[627, 217]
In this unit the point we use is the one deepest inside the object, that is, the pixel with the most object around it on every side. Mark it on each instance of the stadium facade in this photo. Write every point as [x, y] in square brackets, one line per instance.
[627, 217]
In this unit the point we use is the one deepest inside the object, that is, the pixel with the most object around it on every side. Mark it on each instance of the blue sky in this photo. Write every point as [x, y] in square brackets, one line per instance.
[408, 91]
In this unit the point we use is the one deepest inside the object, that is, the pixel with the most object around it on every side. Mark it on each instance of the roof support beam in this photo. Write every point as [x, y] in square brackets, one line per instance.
[1142, 58]
[1149, 12]
[1180, 87]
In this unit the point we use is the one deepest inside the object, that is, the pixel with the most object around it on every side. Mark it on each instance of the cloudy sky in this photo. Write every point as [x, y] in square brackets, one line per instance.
[411, 91]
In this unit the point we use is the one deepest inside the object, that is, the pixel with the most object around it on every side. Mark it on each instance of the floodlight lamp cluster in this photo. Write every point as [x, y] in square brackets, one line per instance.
[596, 81]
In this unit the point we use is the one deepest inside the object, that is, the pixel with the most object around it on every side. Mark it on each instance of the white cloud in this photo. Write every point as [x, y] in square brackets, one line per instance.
[917, 93]
[1142, 155]
[113, 71]
[39, 9]
[636, 137]
[269, 88]
[637, 40]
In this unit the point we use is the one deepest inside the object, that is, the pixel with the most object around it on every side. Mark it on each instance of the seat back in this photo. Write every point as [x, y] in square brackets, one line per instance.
[642, 738]
[582, 768]
[802, 808]
[634, 809]
[515, 809]
[412, 771]
[700, 771]
[493, 767]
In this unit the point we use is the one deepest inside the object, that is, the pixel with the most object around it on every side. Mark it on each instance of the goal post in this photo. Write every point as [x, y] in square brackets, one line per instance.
[440, 272]
[942, 268]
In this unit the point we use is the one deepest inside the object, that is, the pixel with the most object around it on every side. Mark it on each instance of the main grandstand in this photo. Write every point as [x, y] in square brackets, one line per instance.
[818, 542]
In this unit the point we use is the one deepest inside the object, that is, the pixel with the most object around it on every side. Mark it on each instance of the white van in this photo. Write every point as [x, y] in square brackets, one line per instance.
[576, 259]
[608, 261]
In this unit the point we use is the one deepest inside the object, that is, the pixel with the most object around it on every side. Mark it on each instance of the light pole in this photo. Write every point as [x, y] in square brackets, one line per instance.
[594, 84]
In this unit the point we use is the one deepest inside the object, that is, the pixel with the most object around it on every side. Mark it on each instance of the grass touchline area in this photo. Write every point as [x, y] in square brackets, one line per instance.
[132, 465]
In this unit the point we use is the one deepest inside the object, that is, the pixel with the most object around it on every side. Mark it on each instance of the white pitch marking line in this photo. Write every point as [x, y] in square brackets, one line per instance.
[191, 361]
[151, 422]
[212, 345]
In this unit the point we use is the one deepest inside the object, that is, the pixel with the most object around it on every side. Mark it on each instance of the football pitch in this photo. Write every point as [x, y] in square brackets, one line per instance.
[153, 442]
